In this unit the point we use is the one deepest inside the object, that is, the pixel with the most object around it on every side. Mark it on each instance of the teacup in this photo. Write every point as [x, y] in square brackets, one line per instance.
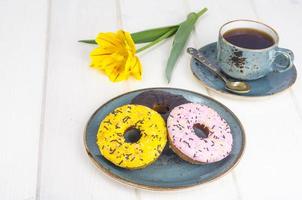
[248, 50]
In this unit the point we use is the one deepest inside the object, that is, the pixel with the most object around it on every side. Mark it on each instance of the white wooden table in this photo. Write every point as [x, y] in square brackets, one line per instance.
[48, 92]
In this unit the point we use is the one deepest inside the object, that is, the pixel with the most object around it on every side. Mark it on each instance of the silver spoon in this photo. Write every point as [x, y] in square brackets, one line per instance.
[239, 87]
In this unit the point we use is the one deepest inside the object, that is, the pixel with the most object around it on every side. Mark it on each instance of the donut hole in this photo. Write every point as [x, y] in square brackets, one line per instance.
[201, 130]
[132, 135]
[160, 108]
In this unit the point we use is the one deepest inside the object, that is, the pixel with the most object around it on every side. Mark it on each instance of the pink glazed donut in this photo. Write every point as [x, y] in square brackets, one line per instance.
[192, 148]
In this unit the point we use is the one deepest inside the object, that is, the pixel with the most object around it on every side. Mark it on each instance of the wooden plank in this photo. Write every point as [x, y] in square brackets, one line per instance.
[23, 42]
[289, 33]
[74, 92]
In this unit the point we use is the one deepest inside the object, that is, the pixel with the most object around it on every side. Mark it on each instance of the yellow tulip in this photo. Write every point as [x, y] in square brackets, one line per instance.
[115, 56]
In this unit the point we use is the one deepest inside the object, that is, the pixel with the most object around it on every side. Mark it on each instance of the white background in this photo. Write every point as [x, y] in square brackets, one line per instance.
[48, 92]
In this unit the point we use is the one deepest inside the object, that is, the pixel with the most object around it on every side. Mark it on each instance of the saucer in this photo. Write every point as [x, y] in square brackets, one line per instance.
[272, 83]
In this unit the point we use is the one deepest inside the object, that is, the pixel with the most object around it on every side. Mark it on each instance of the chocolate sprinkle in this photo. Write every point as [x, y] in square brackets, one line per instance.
[187, 143]
[112, 151]
[108, 122]
[125, 119]
[116, 142]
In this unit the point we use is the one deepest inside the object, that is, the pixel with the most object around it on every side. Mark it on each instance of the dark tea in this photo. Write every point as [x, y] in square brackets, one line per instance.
[249, 38]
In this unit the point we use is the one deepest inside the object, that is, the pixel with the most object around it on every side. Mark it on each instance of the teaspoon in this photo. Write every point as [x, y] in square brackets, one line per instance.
[239, 87]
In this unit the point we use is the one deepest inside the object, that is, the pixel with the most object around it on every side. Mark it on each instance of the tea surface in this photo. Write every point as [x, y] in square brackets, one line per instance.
[249, 38]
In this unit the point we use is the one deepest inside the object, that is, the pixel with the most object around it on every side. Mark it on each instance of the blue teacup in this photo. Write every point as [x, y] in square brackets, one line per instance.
[251, 63]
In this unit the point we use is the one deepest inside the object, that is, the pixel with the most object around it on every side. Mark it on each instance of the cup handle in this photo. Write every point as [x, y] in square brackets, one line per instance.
[288, 54]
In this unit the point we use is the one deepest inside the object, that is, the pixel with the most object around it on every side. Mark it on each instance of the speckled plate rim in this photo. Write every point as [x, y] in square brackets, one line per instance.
[228, 94]
[158, 188]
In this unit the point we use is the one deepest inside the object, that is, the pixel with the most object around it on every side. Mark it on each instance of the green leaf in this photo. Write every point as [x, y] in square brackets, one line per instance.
[180, 40]
[168, 34]
[144, 36]
[151, 34]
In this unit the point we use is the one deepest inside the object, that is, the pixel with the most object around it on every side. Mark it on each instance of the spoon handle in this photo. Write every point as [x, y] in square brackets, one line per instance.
[201, 58]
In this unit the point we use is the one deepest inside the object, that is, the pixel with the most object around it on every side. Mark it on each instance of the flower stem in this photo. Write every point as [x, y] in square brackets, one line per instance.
[172, 31]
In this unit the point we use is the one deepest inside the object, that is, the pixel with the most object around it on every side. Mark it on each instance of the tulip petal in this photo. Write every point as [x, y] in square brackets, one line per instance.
[115, 56]
[137, 70]
[101, 51]
[129, 41]
[109, 40]
[134, 67]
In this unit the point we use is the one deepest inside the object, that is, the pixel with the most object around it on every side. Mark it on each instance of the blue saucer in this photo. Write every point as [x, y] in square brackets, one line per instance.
[271, 84]
[169, 171]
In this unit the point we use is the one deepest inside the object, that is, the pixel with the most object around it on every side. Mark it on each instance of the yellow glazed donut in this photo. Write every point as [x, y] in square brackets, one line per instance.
[132, 155]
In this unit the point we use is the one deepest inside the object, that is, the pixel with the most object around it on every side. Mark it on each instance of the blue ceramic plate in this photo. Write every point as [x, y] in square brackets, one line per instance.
[271, 84]
[169, 171]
